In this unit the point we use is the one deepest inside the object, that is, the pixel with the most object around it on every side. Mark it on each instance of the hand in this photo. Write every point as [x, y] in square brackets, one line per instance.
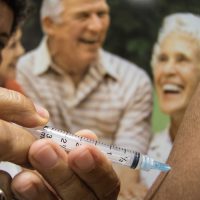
[84, 173]
[14, 140]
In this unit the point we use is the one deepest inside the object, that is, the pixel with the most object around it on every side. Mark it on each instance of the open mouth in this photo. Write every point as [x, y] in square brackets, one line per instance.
[171, 88]
[90, 42]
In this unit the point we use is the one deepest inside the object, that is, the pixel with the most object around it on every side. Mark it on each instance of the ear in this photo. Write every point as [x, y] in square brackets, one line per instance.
[48, 25]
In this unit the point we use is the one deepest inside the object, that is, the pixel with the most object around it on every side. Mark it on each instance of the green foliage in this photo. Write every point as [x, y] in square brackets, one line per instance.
[160, 121]
[133, 32]
[135, 25]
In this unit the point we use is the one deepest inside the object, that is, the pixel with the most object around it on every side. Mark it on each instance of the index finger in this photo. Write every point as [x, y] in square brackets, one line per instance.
[14, 143]
[17, 108]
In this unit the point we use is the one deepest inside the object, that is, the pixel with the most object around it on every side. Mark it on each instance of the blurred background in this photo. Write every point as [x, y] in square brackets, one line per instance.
[133, 32]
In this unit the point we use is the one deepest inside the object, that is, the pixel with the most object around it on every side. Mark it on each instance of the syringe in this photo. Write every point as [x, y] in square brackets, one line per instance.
[129, 158]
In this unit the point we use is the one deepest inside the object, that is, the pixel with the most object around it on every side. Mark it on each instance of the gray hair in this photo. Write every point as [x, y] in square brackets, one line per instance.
[179, 22]
[51, 9]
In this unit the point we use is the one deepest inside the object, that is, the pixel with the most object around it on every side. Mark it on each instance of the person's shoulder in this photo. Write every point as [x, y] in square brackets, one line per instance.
[119, 62]
[124, 67]
[27, 60]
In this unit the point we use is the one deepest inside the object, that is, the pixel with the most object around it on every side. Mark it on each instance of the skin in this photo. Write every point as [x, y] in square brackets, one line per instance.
[84, 165]
[62, 172]
[61, 175]
[6, 19]
[182, 182]
[82, 29]
[86, 23]
[177, 64]
[10, 55]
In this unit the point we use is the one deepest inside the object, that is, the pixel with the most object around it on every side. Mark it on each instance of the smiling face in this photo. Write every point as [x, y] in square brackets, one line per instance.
[81, 32]
[6, 22]
[10, 55]
[177, 72]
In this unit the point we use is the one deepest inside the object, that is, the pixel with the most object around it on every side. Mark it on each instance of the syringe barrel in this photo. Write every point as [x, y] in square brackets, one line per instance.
[129, 158]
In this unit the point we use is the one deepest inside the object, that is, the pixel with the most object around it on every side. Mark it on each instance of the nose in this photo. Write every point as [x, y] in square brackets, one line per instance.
[19, 50]
[169, 67]
[95, 23]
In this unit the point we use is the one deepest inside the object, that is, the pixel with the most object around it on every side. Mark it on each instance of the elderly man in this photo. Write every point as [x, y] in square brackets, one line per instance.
[19, 146]
[81, 85]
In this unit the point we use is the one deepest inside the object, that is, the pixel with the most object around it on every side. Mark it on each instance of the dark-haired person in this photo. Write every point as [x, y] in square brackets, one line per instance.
[76, 175]
[67, 174]
[10, 56]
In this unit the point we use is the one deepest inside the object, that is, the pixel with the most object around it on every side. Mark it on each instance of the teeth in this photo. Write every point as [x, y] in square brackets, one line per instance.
[171, 88]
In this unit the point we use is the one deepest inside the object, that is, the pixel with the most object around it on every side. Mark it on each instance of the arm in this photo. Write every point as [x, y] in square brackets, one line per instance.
[182, 182]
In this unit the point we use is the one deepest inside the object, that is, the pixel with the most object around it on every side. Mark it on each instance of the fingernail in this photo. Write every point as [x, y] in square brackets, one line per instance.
[85, 161]
[42, 111]
[46, 157]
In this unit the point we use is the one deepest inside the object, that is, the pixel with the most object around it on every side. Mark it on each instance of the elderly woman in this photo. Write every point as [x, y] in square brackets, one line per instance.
[176, 70]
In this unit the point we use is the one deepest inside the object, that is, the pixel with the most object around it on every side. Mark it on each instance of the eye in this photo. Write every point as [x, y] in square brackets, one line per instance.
[102, 13]
[82, 15]
[181, 58]
[162, 58]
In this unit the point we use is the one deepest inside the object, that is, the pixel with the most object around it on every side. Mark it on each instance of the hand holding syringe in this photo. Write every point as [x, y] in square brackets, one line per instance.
[134, 160]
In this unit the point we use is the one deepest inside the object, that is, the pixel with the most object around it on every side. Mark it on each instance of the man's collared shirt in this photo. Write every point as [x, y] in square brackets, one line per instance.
[114, 99]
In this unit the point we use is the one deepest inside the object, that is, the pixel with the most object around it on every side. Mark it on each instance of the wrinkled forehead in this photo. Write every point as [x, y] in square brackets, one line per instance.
[181, 37]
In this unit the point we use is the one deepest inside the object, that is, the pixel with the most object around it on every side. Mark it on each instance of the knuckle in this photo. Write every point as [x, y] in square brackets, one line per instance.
[12, 99]
[14, 106]
[8, 95]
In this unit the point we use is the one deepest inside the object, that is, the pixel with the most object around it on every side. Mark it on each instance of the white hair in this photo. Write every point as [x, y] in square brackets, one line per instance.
[180, 22]
[51, 9]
